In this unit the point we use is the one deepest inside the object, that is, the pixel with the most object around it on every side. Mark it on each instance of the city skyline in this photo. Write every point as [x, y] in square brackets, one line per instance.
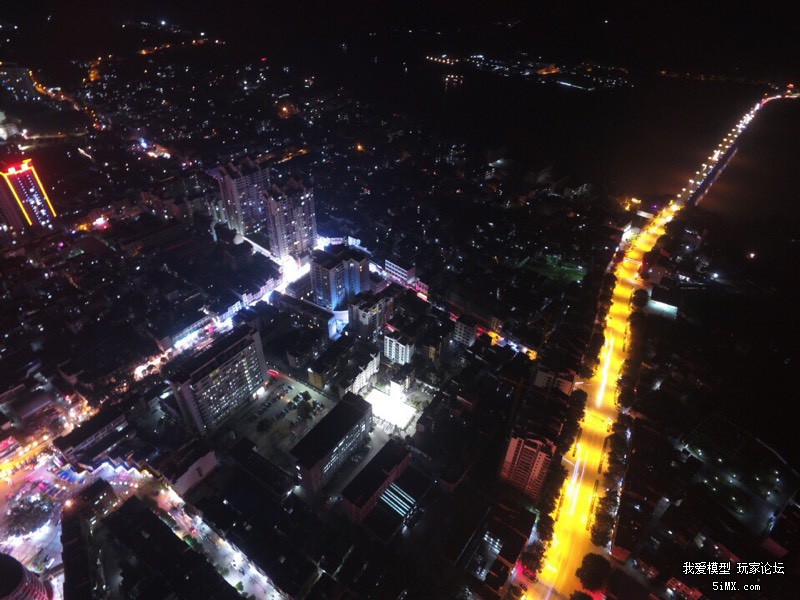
[402, 302]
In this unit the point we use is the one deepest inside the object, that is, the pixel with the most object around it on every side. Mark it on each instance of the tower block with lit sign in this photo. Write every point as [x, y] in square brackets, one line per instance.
[24, 202]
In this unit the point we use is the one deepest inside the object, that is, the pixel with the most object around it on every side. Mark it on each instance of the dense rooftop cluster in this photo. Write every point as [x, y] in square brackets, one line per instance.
[255, 285]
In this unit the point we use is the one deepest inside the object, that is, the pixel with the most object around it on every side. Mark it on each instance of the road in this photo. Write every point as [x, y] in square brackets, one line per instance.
[217, 550]
[584, 485]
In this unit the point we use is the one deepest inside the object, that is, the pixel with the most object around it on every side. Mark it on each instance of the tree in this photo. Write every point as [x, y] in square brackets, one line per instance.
[613, 475]
[618, 448]
[552, 487]
[627, 396]
[640, 299]
[609, 283]
[240, 586]
[544, 526]
[605, 298]
[662, 241]
[578, 400]
[29, 514]
[531, 558]
[304, 409]
[628, 372]
[622, 424]
[601, 528]
[607, 503]
[306, 395]
[588, 367]
[637, 320]
[594, 571]
[596, 342]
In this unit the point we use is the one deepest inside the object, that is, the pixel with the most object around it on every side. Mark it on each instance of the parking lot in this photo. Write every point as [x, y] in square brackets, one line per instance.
[286, 409]
[281, 415]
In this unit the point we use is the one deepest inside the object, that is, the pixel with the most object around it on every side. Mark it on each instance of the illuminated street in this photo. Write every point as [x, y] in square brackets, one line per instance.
[582, 488]
[571, 538]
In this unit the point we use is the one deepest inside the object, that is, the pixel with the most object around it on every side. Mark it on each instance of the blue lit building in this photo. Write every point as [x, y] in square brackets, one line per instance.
[338, 274]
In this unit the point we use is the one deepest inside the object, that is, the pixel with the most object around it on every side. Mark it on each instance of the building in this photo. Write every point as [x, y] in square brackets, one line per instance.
[18, 81]
[327, 365]
[276, 483]
[466, 330]
[94, 501]
[7, 128]
[398, 347]
[338, 274]
[81, 581]
[331, 442]
[179, 330]
[496, 548]
[363, 362]
[24, 202]
[209, 386]
[549, 379]
[526, 463]
[156, 560]
[395, 504]
[18, 583]
[291, 220]
[401, 271]
[95, 435]
[244, 190]
[187, 466]
[320, 317]
[364, 490]
[369, 311]
[238, 255]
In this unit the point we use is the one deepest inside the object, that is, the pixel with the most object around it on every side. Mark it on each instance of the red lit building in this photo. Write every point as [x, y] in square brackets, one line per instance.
[17, 583]
[23, 200]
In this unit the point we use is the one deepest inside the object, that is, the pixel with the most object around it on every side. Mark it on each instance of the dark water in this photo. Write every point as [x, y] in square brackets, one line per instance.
[763, 178]
[646, 140]
[643, 141]
[754, 207]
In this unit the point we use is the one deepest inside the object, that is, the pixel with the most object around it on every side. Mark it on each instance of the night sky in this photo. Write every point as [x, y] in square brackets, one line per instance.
[747, 37]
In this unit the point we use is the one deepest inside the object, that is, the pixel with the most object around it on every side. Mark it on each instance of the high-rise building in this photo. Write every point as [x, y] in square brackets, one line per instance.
[398, 347]
[24, 202]
[211, 385]
[244, 190]
[291, 220]
[338, 274]
[526, 463]
[18, 583]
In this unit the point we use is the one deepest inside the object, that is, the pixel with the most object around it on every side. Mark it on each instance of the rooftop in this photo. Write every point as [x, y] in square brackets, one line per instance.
[88, 428]
[369, 480]
[278, 483]
[323, 438]
[222, 349]
[152, 542]
[332, 256]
